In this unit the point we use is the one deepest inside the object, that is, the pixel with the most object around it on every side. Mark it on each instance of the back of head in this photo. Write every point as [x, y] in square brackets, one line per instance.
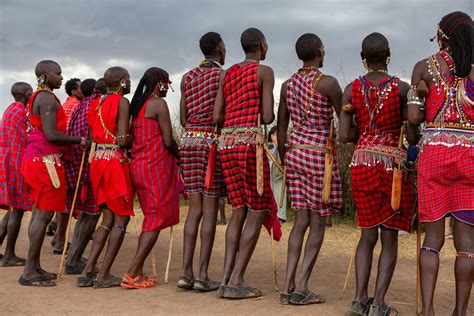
[87, 87]
[251, 40]
[307, 46]
[209, 42]
[458, 28]
[100, 86]
[146, 88]
[45, 66]
[72, 84]
[375, 48]
[20, 90]
[114, 75]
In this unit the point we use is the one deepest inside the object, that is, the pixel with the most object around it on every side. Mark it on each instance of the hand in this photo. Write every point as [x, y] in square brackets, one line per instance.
[85, 143]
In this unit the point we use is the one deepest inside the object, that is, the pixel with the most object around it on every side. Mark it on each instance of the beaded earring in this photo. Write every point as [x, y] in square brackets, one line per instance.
[364, 62]
[161, 86]
[123, 84]
[387, 61]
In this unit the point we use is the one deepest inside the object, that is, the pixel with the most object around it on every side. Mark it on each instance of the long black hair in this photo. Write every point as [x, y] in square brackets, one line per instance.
[458, 27]
[146, 87]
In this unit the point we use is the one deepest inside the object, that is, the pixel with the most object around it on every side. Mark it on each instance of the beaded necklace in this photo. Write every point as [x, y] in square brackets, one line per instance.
[381, 91]
[316, 79]
[99, 111]
[307, 70]
[208, 63]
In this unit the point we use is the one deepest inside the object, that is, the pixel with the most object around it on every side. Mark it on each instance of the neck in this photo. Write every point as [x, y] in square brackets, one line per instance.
[20, 100]
[117, 90]
[215, 59]
[377, 66]
[311, 63]
[253, 56]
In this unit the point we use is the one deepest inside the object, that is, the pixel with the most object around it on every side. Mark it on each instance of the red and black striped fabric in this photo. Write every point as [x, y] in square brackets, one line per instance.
[154, 174]
[200, 90]
[372, 180]
[305, 167]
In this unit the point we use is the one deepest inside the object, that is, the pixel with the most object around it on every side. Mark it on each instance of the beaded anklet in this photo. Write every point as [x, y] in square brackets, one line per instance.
[463, 254]
[430, 250]
[121, 228]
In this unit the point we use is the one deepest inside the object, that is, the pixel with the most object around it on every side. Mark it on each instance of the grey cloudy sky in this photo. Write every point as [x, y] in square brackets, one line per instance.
[85, 37]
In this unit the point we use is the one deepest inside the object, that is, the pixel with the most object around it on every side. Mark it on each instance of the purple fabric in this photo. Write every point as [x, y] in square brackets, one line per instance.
[39, 146]
[464, 216]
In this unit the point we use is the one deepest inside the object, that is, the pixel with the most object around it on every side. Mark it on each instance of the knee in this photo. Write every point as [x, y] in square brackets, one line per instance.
[464, 243]
[107, 221]
[122, 220]
[435, 241]
[369, 238]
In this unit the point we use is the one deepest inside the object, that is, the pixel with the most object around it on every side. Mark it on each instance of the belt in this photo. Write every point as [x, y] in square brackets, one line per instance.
[309, 147]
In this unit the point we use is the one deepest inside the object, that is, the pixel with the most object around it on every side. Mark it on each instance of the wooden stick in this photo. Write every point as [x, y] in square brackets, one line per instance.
[136, 226]
[153, 261]
[354, 247]
[275, 161]
[78, 182]
[275, 275]
[170, 248]
[283, 188]
[418, 280]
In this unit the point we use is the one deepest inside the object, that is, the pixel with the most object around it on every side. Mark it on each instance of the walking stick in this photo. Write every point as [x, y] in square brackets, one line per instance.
[153, 261]
[170, 248]
[63, 255]
[136, 226]
[354, 247]
[275, 276]
[418, 280]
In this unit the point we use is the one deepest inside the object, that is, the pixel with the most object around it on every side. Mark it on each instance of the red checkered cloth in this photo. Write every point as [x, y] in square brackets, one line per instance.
[305, 167]
[13, 139]
[242, 104]
[200, 90]
[154, 174]
[376, 151]
[79, 126]
[446, 163]
[69, 106]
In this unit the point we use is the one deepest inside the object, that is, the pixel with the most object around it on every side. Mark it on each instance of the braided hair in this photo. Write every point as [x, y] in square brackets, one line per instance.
[458, 27]
[146, 87]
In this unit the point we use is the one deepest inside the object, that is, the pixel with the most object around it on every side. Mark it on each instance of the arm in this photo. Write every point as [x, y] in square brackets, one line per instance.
[282, 122]
[266, 82]
[330, 88]
[123, 129]
[48, 106]
[414, 114]
[410, 129]
[219, 106]
[346, 131]
[183, 116]
[164, 119]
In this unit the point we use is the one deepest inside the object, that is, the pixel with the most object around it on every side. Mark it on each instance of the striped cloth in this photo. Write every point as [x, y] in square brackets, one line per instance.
[79, 126]
[13, 138]
[200, 90]
[69, 106]
[446, 161]
[305, 167]
[242, 103]
[375, 153]
[154, 174]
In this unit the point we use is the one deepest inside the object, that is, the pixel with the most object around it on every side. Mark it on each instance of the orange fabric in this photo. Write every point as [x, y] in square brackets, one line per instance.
[110, 177]
[69, 106]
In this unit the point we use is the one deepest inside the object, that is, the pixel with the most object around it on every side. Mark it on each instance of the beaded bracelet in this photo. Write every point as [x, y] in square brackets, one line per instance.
[123, 136]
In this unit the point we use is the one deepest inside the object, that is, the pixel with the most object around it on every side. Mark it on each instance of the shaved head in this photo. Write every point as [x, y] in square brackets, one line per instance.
[251, 40]
[20, 88]
[114, 75]
[45, 67]
[375, 48]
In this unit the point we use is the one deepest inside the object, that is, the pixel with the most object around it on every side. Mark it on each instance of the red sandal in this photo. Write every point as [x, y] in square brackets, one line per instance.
[138, 282]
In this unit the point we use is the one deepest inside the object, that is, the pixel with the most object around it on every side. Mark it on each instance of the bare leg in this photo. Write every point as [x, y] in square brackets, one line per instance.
[387, 263]
[117, 234]
[295, 244]
[313, 245]
[222, 210]
[363, 261]
[464, 267]
[61, 231]
[232, 239]
[100, 238]
[84, 229]
[4, 227]
[14, 224]
[191, 228]
[208, 232]
[429, 263]
[145, 244]
[247, 244]
[36, 237]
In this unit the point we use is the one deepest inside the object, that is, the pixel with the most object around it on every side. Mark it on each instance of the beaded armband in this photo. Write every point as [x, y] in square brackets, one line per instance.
[348, 108]
[414, 99]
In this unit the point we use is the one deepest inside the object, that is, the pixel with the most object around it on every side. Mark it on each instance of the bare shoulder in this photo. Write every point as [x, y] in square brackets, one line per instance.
[328, 81]
[47, 99]
[265, 70]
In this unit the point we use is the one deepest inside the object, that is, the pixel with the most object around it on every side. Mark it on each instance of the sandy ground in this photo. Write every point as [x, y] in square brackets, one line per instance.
[328, 279]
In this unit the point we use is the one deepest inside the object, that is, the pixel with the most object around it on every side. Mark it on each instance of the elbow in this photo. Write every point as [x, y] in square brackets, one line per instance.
[268, 119]
[218, 119]
[344, 137]
[51, 137]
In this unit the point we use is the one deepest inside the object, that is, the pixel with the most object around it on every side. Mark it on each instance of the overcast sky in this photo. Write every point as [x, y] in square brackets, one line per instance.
[86, 37]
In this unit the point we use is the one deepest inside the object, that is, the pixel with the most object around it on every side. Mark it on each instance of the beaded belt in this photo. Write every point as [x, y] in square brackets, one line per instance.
[235, 136]
[448, 134]
[191, 135]
[109, 151]
[373, 154]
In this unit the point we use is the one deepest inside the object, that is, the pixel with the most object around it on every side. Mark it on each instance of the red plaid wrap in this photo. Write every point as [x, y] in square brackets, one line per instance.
[371, 167]
[446, 167]
[13, 139]
[200, 90]
[69, 106]
[305, 167]
[242, 104]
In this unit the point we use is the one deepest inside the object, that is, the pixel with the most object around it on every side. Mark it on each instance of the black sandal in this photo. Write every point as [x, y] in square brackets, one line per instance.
[361, 308]
[381, 311]
[285, 297]
[40, 281]
[306, 299]
[105, 284]
[205, 286]
[232, 292]
[87, 281]
[187, 283]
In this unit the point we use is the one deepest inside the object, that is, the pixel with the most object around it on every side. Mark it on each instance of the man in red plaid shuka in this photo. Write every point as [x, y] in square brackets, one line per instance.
[309, 99]
[198, 94]
[245, 92]
[378, 102]
[13, 190]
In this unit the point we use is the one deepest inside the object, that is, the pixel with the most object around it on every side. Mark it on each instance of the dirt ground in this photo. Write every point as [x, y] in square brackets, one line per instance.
[328, 278]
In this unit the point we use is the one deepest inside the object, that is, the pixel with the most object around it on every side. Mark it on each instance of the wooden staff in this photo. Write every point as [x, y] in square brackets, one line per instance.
[418, 280]
[76, 190]
[328, 162]
[275, 276]
[259, 159]
[397, 179]
[283, 188]
[136, 226]
[153, 261]
[354, 247]
[170, 248]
